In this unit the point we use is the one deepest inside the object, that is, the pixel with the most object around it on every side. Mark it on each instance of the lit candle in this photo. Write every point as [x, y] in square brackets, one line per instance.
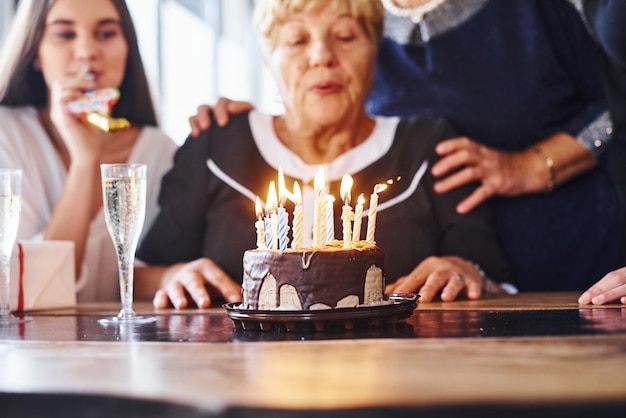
[260, 226]
[270, 209]
[346, 212]
[371, 221]
[283, 218]
[330, 217]
[358, 215]
[297, 217]
[319, 221]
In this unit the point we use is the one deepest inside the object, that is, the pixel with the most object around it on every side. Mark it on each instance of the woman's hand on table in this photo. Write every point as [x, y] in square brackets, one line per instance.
[608, 289]
[221, 111]
[201, 280]
[451, 276]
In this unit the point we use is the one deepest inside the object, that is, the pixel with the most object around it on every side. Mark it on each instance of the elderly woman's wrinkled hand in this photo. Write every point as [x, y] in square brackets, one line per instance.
[201, 280]
[451, 276]
[465, 161]
[221, 111]
[608, 289]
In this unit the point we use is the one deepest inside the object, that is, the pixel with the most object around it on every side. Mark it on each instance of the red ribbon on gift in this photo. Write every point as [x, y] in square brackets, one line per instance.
[20, 293]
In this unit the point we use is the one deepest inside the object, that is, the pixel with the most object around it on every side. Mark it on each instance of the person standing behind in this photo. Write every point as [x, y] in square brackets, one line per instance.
[607, 20]
[51, 48]
[521, 80]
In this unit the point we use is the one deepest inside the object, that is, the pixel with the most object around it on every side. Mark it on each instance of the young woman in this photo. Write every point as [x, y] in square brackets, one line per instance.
[51, 48]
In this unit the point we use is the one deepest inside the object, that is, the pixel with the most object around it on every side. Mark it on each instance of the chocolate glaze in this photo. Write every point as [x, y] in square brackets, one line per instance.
[319, 275]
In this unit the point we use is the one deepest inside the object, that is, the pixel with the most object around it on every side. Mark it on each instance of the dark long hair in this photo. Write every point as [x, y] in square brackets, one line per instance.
[21, 84]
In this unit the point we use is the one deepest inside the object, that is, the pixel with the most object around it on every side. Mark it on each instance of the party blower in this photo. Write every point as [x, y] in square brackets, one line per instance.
[94, 107]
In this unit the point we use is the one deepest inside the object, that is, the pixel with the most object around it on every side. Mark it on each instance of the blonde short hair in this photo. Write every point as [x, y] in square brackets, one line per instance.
[269, 14]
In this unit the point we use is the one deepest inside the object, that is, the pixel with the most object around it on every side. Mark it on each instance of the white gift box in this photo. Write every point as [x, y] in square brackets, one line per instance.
[42, 275]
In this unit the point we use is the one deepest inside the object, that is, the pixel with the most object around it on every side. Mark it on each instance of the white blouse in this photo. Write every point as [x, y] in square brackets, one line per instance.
[25, 144]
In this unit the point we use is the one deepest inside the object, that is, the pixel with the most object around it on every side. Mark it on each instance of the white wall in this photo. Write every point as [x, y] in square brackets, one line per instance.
[191, 60]
[6, 13]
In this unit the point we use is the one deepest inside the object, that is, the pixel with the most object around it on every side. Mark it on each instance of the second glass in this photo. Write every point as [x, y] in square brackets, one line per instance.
[10, 207]
[124, 200]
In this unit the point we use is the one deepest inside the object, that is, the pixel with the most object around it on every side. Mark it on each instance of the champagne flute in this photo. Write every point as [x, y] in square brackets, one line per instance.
[10, 206]
[124, 200]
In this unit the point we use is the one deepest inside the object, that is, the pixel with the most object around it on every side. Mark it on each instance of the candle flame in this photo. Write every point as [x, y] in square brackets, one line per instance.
[361, 199]
[270, 205]
[259, 207]
[319, 181]
[297, 194]
[379, 188]
[346, 186]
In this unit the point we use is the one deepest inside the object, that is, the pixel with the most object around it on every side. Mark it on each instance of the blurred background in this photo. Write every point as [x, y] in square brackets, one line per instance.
[194, 52]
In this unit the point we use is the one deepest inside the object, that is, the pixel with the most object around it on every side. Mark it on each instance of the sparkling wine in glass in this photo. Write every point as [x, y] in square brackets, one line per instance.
[124, 200]
[10, 206]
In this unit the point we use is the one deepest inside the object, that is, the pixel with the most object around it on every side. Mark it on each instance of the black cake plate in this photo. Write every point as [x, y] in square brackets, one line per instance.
[400, 306]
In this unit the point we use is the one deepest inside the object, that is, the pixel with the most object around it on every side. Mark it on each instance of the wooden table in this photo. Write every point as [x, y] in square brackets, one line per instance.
[538, 354]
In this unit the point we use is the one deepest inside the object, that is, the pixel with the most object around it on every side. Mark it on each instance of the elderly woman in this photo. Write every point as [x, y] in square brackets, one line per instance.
[322, 55]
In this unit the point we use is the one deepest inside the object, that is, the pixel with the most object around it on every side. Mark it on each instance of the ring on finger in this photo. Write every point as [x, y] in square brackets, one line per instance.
[459, 277]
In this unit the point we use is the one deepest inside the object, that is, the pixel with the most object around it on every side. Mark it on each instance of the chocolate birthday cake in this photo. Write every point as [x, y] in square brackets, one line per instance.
[314, 278]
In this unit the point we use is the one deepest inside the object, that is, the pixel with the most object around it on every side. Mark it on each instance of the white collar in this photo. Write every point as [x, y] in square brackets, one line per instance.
[276, 154]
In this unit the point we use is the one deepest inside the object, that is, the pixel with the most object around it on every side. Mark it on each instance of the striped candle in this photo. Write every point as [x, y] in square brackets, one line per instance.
[371, 221]
[283, 218]
[297, 217]
[358, 216]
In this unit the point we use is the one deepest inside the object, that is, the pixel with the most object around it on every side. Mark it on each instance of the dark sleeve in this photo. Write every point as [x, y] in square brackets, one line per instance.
[607, 21]
[577, 52]
[178, 231]
[472, 236]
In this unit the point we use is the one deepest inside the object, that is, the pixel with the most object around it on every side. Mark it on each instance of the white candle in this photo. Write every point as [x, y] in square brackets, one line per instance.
[319, 221]
[346, 212]
[358, 215]
[283, 228]
[270, 209]
[274, 224]
[297, 217]
[329, 210]
[260, 226]
[371, 221]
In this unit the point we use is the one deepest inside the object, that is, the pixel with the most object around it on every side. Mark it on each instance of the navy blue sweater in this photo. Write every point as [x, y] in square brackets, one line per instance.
[510, 74]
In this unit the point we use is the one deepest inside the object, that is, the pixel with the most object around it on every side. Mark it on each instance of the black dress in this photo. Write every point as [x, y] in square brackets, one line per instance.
[207, 199]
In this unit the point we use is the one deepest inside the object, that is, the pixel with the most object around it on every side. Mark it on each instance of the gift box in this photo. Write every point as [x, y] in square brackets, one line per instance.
[42, 275]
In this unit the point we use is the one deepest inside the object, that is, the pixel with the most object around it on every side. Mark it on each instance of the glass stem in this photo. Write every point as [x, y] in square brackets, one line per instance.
[5, 286]
[126, 286]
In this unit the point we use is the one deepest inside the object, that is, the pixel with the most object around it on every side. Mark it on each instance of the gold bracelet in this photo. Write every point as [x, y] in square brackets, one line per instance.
[550, 164]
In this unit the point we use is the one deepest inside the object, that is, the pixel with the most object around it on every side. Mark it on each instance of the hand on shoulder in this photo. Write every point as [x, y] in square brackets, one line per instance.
[221, 112]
